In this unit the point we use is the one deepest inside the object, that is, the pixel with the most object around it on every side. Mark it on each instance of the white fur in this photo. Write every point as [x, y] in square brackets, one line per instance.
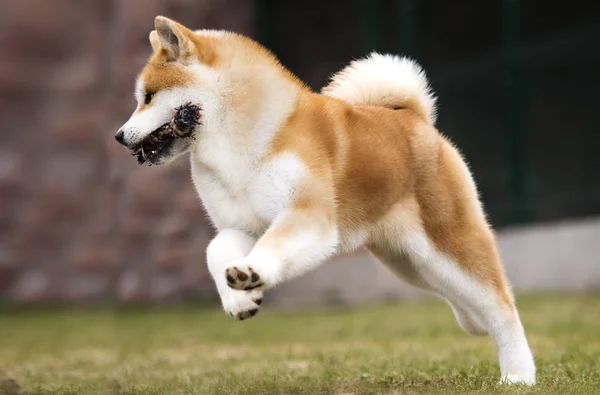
[274, 187]
[385, 80]
[300, 252]
[227, 206]
[351, 241]
[228, 246]
[143, 122]
[211, 33]
[475, 307]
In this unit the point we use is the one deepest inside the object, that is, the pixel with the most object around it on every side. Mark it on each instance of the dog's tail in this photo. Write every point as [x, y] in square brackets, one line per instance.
[386, 81]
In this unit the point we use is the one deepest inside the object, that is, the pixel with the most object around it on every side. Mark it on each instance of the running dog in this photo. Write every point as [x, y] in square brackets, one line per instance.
[290, 177]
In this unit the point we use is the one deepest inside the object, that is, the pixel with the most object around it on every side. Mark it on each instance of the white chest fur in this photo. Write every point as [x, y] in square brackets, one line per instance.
[226, 203]
[244, 197]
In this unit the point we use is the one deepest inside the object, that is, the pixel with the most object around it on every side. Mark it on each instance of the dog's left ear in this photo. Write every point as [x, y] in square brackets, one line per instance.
[171, 37]
[154, 41]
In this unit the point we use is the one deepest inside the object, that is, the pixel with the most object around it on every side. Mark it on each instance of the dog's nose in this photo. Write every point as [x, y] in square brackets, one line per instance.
[120, 137]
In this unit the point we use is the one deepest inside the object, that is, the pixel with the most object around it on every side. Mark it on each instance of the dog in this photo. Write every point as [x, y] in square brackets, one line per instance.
[290, 177]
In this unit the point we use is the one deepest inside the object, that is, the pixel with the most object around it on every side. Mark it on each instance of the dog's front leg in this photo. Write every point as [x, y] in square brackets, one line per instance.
[229, 246]
[299, 240]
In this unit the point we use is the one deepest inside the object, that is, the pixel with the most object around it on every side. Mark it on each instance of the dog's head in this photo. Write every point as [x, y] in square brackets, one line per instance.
[240, 87]
[181, 70]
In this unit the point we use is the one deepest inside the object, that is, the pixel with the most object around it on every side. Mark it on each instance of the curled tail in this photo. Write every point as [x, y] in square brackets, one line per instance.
[386, 81]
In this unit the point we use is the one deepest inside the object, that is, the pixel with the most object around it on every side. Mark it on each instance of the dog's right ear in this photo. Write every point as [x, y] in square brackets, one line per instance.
[172, 38]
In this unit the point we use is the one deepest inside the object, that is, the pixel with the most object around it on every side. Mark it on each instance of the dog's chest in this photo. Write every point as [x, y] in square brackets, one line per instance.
[228, 206]
[244, 197]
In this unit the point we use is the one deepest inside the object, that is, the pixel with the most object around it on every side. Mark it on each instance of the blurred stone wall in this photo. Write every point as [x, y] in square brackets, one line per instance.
[79, 220]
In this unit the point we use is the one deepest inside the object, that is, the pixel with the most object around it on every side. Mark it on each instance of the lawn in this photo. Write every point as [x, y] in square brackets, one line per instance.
[409, 347]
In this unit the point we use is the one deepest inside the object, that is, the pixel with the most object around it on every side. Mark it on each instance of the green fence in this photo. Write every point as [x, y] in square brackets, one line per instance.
[517, 84]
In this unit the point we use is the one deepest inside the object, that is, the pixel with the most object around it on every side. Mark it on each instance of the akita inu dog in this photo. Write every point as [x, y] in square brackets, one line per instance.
[290, 177]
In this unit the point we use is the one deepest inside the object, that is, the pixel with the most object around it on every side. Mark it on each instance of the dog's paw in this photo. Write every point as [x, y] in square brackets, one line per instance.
[242, 304]
[243, 278]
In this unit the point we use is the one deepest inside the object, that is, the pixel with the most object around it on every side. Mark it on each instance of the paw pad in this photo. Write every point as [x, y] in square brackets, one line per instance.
[242, 315]
[243, 279]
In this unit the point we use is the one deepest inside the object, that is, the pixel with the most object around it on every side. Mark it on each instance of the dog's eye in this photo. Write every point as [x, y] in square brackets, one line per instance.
[148, 98]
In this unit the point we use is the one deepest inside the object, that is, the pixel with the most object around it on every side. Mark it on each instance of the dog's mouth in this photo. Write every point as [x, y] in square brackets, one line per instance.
[159, 142]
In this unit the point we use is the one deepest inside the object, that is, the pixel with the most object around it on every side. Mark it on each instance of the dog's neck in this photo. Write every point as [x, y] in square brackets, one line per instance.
[249, 116]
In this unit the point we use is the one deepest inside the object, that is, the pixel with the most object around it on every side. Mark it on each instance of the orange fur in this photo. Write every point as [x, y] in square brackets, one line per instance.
[159, 75]
[375, 158]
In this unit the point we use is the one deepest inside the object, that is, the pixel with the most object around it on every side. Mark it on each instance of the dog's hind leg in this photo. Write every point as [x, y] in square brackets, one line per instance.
[479, 296]
[467, 321]
[401, 265]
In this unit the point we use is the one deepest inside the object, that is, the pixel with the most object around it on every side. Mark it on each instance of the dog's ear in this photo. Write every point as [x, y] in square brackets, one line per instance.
[171, 37]
[154, 41]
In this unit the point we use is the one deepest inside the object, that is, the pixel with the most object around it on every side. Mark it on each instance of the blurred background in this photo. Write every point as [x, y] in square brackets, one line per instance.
[80, 222]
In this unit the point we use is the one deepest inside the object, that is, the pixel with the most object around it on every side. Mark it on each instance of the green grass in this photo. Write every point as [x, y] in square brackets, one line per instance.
[402, 348]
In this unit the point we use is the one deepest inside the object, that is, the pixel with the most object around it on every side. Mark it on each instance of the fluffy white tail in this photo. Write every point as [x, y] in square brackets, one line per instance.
[386, 81]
